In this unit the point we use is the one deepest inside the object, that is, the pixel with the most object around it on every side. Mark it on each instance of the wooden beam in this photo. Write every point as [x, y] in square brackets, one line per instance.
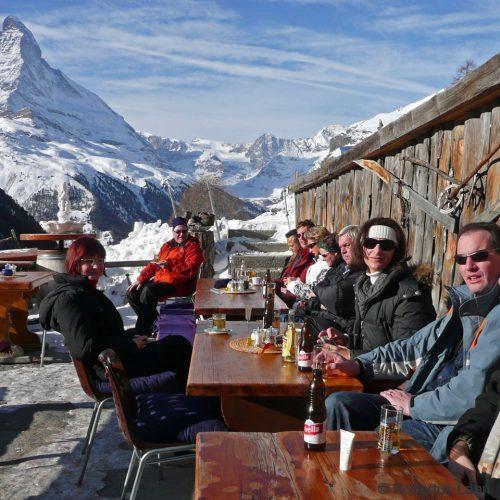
[480, 87]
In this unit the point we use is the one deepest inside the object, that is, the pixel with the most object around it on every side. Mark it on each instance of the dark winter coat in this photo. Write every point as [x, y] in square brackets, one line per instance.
[88, 321]
[394, 307]
[336, 294]
[480, 428]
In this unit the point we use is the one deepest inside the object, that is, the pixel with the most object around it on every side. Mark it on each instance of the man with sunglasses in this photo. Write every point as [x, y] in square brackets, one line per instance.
[172, 274]
[444, 364]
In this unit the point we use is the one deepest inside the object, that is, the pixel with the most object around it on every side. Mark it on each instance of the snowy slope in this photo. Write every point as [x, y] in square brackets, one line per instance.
[53, 132]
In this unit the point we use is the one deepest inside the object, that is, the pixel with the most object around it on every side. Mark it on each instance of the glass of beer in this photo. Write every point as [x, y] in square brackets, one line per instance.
[219, 321]
[389, 433]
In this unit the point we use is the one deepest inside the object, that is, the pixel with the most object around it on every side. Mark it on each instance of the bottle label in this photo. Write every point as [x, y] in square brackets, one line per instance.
[314, 433]
[305, 359]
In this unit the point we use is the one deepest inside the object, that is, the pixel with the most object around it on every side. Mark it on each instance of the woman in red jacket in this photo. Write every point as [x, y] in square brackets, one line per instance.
[173, 274]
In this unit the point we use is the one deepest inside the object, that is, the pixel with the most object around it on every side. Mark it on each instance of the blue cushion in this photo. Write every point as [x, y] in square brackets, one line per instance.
[159, 382]
[171, 418]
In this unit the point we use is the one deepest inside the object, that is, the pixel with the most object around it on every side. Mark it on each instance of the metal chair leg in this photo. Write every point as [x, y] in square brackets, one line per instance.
[160, 472]
[138, 475]
[89, 428]
[42, 353]
[131, 466]
[91, 440]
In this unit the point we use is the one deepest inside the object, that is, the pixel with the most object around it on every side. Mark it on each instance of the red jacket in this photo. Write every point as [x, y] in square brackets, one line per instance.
[296, 269]
[181, 269]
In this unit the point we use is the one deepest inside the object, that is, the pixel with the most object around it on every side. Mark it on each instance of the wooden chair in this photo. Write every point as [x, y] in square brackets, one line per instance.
[100, 399]
[126, 409]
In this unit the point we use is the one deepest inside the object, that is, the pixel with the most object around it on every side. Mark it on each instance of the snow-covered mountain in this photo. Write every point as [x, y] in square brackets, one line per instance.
[56, 137]
[55, 134]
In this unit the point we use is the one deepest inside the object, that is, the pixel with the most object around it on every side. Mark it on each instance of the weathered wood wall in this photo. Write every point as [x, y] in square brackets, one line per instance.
[351, 195]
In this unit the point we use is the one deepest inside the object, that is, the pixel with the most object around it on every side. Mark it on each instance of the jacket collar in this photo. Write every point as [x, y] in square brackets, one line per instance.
[472, 304]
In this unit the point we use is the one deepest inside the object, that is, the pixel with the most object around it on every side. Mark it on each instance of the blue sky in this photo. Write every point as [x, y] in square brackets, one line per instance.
[233, 69]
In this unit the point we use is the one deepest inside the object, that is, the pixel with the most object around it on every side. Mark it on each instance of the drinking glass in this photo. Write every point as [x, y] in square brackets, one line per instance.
[317, 350]
[248, 317]
[276, 320]
[219, 321]
[389, 433]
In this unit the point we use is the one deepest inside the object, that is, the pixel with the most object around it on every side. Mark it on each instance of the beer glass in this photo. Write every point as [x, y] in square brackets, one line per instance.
[389, 433]
[318, 364]
[219, 321]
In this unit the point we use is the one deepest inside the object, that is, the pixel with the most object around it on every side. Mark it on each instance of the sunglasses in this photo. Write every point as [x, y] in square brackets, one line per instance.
[385, 245]
[479, 256]
[311, 245]
[181, 231]
[301, 235]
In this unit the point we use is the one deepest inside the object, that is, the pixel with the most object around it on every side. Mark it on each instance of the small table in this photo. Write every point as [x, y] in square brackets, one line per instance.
[259, 392]
[15, 292]
[60, 238]
[207, 302]
[263, 465]
[21, 254]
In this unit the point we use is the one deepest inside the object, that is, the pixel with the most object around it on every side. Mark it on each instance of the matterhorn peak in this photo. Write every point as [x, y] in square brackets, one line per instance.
[15, 32]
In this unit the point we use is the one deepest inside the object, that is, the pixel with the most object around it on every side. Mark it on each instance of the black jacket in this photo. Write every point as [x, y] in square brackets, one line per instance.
[394, 307]
[476, 424]
[87, 319]
[336, 293]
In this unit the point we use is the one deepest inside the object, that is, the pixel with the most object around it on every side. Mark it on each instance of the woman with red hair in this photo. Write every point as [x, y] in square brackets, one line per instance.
[90, 322]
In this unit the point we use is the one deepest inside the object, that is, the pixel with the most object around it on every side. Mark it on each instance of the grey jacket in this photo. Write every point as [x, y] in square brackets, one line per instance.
[420, 357]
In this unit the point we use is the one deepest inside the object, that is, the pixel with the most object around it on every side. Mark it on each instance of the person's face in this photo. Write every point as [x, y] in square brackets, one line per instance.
[293, 245]
[478, 276]
[300, 235]
[330, 257]
[180, 234]
[313, 247]
[346, 249]
[92, 267]
[377, 259]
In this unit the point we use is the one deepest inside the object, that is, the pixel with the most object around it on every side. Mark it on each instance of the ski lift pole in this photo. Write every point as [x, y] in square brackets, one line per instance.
[171, 196]
[213, 210]
[284, 192]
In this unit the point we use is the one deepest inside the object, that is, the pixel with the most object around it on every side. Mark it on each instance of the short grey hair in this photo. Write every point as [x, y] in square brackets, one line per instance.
[351, 231]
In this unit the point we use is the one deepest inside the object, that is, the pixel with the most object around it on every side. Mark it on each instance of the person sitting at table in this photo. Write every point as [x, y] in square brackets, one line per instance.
[323, 259]
[444, 364]
[392, 300]
[90, 323]
[333, 302]
[474, 442]
[172, 275]
[294, 266]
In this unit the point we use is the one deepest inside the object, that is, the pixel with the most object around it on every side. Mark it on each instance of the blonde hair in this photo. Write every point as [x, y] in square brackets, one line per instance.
[317, 233]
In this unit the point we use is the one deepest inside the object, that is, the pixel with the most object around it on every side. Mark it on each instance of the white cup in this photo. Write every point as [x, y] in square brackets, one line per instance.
[256, 280]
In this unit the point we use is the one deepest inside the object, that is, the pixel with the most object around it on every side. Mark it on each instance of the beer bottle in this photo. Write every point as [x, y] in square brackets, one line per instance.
[289, 339]
[267, 280]
[306, 347]
[315, 424]
[269, 309]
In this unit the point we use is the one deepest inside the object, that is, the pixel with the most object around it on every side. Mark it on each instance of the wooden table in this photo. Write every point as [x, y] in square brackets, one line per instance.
[14, 295]
[60, 238]
[22, 254]
[263, 465]
[258, 391]
[207, 302]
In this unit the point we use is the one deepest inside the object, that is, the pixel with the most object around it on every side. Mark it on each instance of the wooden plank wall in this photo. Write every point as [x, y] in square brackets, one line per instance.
[455, 148]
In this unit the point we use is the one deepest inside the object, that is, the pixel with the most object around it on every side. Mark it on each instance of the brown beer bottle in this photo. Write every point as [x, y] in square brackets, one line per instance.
[269, 309]
[315, 424]
[267, 280]
[306, 347]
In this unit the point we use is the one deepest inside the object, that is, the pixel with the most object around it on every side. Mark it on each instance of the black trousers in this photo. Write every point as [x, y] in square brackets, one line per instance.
[144, 302]
[172, 353]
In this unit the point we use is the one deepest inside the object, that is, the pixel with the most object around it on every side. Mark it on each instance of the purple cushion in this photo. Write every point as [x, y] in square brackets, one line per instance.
[171, 418]
[177, 324]
[160, 382]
